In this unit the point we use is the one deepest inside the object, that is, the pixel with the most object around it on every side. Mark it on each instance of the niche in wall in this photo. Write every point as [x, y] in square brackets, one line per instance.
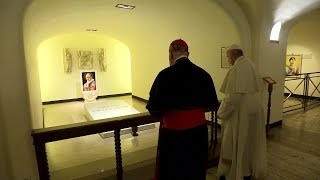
[59, 76]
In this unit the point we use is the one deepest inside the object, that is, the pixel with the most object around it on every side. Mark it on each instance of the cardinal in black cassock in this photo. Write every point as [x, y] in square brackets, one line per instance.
[181, 94]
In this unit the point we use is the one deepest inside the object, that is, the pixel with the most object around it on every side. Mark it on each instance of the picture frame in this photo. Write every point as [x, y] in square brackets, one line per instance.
[224, 59]
[88, 81]
[293, 65]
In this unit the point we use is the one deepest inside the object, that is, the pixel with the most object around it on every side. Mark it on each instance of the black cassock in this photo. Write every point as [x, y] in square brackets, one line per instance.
[182, 154]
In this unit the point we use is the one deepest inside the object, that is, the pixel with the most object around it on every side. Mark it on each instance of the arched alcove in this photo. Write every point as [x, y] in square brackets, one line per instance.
[56, 84]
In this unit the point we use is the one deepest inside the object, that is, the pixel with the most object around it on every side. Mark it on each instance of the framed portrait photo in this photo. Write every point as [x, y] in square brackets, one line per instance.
[293, 65]
[88, 81]
[224, 59]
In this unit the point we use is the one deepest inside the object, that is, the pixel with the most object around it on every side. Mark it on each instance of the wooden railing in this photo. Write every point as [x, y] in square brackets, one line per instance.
[45, 135]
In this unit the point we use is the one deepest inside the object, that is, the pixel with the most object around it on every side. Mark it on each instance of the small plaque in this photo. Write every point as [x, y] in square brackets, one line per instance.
[269, 80]
[306, 56]
[110, 109]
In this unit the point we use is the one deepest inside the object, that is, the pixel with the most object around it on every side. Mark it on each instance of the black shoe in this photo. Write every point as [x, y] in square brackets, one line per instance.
[222, 178]
[247, 178]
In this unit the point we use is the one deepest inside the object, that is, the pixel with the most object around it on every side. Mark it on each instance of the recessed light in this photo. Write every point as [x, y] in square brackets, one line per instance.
[125, 6]
[91, 29]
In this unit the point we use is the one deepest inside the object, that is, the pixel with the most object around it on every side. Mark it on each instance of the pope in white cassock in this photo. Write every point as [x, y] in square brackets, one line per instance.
[243, 147]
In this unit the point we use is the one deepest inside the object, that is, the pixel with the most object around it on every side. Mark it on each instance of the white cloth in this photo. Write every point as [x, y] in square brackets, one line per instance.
[243, 148]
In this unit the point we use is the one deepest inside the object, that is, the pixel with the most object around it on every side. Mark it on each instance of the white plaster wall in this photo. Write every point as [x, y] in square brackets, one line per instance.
[18, 152]
[32, 71]
[205, 33]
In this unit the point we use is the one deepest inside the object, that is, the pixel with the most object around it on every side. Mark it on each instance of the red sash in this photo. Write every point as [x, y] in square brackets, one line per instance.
[185, 119]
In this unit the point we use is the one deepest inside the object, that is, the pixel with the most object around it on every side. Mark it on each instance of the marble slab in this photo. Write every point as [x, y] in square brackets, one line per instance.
[109, 109]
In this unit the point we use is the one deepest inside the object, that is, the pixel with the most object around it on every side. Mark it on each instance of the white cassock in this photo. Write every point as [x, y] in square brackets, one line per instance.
[243, 147]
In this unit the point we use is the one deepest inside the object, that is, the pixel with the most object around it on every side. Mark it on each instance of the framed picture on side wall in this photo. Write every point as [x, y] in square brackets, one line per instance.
[224, 59]
[293, 65]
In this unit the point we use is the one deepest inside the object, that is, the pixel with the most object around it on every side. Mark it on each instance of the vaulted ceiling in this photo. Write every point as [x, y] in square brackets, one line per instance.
[90, 14]
[281, 10]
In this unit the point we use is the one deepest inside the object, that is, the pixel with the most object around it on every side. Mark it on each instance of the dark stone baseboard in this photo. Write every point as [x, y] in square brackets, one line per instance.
[139, 98]
[276, 124]
[81, 99]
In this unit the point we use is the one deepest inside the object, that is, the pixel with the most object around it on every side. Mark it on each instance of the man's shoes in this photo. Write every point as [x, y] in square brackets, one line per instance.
[222, 178]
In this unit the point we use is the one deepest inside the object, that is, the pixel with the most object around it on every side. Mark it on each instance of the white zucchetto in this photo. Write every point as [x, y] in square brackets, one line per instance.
[234, 46]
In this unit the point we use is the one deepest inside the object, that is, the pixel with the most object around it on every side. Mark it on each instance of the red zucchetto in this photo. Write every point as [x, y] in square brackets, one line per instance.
[179, 42]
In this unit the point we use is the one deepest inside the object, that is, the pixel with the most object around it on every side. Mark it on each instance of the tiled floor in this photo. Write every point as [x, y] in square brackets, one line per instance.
[293, 148]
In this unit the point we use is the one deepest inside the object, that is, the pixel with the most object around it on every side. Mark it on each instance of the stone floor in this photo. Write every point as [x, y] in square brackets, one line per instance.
[294, 147]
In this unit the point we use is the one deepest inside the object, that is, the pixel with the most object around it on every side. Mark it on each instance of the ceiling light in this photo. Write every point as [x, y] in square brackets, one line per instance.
[275, 32]
[125, 6]
[91, 30]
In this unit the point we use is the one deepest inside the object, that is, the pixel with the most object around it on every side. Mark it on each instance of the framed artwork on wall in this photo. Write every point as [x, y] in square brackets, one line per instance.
[224, 59]
[88, 80]
[67, 60]
[101, 59]
[85, 59]
[293, 65]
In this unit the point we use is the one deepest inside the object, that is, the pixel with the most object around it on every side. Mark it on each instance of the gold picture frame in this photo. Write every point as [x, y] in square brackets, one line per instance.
[224, 59]
[293, 65]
